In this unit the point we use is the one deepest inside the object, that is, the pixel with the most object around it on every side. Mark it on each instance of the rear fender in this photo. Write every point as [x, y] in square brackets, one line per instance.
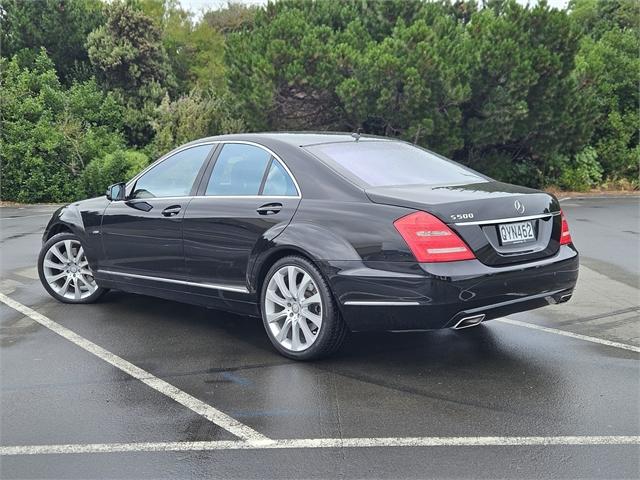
[312, 241]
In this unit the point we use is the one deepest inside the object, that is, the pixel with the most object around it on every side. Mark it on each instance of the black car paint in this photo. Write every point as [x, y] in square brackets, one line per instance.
[481, 202]
[221, 234]
[346, 230]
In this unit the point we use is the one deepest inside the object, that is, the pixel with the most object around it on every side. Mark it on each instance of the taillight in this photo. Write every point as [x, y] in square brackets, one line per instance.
[431, 240]
[565, 235]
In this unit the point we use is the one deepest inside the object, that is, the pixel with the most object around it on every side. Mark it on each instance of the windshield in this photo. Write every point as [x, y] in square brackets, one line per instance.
[386, 163]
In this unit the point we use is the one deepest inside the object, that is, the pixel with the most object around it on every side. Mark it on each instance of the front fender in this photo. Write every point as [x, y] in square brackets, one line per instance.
[66, 218]
[83, 219]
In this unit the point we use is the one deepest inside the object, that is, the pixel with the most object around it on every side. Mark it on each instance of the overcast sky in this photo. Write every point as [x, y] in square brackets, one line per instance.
[197, 5]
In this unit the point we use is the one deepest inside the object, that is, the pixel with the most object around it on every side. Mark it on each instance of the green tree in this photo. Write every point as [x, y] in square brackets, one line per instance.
[284, 72]
[196, 115]
[407, 86]
[118, 166]
[127, 51]
[60, 26]
[50, 133]
[130, 60]
[526, 105]
[234, 17]
[607, 65]
[596, 17]
[195, 48]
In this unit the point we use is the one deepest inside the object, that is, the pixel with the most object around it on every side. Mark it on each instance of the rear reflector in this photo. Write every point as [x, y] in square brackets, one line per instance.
[565, 236]
[430, 240]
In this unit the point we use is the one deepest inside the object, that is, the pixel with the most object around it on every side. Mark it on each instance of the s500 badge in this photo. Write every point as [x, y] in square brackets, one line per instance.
[461, 216]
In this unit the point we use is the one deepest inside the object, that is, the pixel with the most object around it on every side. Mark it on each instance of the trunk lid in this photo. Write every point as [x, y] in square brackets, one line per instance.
[477, 211]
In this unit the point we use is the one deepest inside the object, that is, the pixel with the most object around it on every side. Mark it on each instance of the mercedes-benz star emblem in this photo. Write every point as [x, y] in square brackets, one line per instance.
[519, 207]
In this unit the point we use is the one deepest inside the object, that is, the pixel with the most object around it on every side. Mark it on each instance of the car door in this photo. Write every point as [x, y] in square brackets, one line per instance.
[142, 234]
[249, 195]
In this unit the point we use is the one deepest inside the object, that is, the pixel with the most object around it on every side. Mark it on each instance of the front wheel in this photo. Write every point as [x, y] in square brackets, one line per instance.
[298, 311]
[64, 270]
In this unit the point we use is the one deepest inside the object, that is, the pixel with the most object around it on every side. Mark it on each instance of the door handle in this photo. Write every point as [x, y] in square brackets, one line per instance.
[172, 210]
[269, 209]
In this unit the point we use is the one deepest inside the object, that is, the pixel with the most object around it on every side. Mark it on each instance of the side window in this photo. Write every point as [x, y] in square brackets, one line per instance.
[238, 170]
[174, 176]
[278, 182]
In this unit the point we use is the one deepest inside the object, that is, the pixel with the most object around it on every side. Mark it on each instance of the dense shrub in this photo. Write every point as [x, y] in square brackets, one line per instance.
[527, 94]
[609, 67]
[51, 133]
[115, 167]
[581, 172]
[61, 27]
[196, 115]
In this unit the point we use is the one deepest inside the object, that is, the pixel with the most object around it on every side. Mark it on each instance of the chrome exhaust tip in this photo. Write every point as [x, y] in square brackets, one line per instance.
[467, 322]
[565, 297]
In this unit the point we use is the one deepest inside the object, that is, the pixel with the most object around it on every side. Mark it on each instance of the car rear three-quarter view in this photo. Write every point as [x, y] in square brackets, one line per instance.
[318, 234]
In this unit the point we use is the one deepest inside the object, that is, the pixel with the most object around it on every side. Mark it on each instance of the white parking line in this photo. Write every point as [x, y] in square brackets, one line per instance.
[207, 411]
[26, 216]
[600, 197]
[565, 333]
[320, 443]
[251, 439]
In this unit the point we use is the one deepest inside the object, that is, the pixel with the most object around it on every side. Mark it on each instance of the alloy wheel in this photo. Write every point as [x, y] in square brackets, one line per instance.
[293, 307]
[66, 270]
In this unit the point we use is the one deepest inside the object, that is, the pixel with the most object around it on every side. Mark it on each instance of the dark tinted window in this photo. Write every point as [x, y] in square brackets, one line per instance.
[238, 170]
[382, 163]
[174, 176]
[278, 182]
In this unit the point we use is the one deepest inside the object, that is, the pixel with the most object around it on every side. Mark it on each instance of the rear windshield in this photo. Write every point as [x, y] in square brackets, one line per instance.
[383, 163]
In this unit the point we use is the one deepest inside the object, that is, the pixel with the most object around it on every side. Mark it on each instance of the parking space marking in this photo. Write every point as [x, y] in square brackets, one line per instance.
[304, 443]
[212, 414]
[19, 217]
[565, 333]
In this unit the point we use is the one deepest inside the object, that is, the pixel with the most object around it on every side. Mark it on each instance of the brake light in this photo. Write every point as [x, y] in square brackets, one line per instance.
[565, 235]
[431, 240]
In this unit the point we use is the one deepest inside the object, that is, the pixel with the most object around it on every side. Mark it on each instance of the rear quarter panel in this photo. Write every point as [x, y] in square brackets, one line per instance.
[361, 231]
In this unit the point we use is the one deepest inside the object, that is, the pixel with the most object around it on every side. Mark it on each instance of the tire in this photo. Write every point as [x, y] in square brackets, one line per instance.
[324, 325]
[64, 270]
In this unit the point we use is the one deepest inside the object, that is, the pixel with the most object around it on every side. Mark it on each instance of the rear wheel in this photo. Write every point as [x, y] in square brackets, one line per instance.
[64, 270]
[298, 311]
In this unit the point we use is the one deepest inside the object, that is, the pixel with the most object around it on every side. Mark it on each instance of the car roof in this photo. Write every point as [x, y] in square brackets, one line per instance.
[298, 139]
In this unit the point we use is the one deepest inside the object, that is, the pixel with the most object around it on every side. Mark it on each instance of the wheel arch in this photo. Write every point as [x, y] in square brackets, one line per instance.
[266, 262]
[314, 242]
[57, 228]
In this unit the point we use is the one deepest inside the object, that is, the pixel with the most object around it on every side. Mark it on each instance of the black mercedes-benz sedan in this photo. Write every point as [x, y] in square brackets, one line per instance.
[318, 234]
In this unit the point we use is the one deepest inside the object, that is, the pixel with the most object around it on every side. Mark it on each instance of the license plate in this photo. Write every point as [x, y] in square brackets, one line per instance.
[516, 232]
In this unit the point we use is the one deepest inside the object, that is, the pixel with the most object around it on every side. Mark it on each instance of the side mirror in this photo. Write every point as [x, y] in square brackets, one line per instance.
[116, 191]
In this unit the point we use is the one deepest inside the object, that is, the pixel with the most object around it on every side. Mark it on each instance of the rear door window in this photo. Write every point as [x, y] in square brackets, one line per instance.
[238, 170]
[278, 182]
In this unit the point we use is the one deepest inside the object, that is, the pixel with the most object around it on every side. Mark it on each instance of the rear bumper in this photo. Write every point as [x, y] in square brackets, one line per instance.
[403, 295]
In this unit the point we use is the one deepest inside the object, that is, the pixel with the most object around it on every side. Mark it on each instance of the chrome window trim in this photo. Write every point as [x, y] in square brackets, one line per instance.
[276, 157]
[213, 286]
[166, 156]
[380, 303]
[254, 197]
[511, 219]
[217, 142]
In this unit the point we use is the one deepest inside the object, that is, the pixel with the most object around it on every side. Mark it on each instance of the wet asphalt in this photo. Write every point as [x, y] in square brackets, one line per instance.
[496, 380]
